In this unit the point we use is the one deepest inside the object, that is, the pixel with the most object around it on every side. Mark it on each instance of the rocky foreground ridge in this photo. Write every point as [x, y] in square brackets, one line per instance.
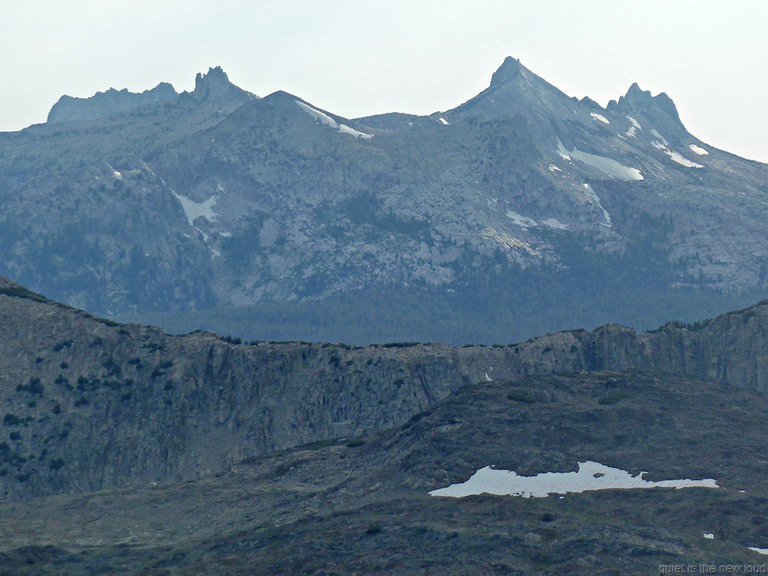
[91, 404]
[362, 505]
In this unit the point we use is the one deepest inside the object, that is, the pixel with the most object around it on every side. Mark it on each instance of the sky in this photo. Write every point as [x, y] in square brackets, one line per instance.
[361, 57]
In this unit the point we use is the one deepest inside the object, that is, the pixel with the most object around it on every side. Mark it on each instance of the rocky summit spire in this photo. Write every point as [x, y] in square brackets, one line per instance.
[515, 90]
[214, 87]
[214, 79]
[509, 70]
[639, 100]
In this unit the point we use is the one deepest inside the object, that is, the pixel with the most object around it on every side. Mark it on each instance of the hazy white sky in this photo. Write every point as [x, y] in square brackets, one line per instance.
[360, 57]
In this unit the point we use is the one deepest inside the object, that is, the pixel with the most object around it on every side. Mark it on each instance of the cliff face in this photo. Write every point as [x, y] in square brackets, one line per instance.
[730, 349]
[89, 404]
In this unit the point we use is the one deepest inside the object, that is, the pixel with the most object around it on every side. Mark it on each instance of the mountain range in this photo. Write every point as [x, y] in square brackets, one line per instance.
[519, 212]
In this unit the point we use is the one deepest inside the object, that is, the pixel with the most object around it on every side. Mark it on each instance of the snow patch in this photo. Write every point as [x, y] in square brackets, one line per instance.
[520, 220]
[553, 223]
[344, 129]
[659, 136]
[590, 476]
[596, 200]
[698, 150]
[682, 160]
[488, 378]
[443, 121]
[600, 118]
[323, 118]
[608, 166]
[635, 123]
[194, 210]
[676, 156]
[117, 175]
[709, 536]
[203, 234]
[553, 168]
[759, 550]
[632, 130]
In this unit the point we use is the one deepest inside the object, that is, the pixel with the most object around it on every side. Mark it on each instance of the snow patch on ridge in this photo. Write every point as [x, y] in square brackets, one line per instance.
[590, 476]
[553, 223]
[698, 150]
[562, 151]
[676, 156]
[520, 220]
[194, 210]
[323, 118]
[635, 123]
[659, 136]
[599, 118]
[596, 199]
[608, 166]
[632, 131]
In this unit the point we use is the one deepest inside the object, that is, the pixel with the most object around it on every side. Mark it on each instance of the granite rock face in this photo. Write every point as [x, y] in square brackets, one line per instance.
[90, 404]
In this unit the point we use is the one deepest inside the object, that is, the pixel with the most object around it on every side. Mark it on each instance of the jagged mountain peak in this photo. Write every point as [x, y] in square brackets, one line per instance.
[214, 76]
[215, 86]
[215, 80]
[514, 90]
[510, 69]
[660, 107]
